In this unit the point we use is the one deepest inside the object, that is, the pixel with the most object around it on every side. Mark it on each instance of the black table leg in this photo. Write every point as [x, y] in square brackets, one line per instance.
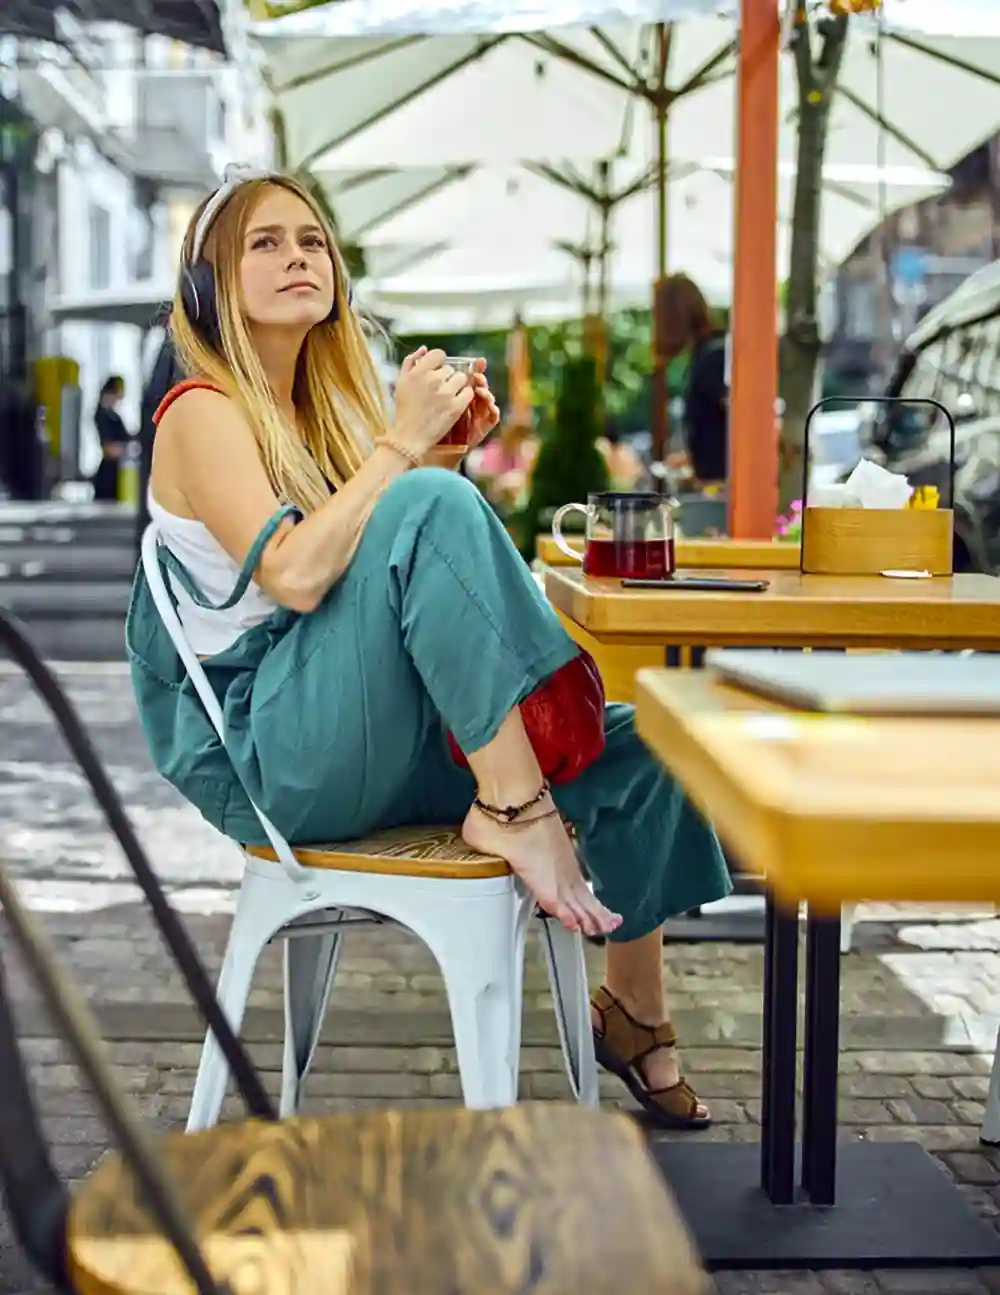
[821, 1062]
[777, 1135]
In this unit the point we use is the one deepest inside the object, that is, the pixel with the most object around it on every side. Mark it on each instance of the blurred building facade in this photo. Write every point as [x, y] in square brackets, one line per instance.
[916, 259]
[109, 136]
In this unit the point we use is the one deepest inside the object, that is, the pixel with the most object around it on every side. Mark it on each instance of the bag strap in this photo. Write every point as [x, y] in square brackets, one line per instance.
[187, 582]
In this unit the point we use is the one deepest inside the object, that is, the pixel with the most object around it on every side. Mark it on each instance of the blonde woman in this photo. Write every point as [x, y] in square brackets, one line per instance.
[352, 605]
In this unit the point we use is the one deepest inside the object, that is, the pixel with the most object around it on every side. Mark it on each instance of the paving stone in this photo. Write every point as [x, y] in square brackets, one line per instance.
[848, 1283]
[972, 1168]
[769, 1283]
[921, 1110]
[920, 999]
[944, 1281]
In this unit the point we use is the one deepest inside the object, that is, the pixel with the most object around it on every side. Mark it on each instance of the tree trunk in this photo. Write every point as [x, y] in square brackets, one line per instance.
[817, 79]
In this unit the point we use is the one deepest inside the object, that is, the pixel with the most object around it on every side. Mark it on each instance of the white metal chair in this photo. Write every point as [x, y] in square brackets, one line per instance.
[468, 908]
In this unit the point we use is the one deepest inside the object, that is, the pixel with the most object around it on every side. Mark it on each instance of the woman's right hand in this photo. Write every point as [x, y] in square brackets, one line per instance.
[430, 399]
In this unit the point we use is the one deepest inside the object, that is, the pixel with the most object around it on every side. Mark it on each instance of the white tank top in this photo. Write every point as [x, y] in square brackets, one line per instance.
[215, 573]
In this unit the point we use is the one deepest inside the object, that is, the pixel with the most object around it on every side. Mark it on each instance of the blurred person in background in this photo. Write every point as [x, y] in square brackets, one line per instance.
[114, 437]
[625, 468]
[685, 322]
[502, 467]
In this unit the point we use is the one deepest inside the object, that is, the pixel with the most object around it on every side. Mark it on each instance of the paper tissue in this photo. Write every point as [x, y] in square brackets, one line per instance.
[868, 486]
[869, 525]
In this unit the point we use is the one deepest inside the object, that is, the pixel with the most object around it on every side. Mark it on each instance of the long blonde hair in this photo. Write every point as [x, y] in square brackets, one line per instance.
[338, 394]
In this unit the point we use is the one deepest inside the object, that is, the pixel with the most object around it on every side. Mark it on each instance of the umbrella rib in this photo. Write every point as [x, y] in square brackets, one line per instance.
[405, 100]
[358, 60]
[949, 59]
[699, 77]
[550, 46]
[604, 40]
[451, 176]
[898, 135]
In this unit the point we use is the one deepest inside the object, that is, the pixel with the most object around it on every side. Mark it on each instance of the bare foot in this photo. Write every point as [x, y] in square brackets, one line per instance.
[540, 852]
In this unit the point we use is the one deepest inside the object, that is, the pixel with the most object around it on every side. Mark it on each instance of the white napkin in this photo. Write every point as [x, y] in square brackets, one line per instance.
[868, 486]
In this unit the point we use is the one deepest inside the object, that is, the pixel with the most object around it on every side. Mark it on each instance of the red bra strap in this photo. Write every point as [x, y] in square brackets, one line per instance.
[189, 384]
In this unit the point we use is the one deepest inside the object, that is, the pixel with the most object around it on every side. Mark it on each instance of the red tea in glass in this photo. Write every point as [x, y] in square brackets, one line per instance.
[629, 536]
[461, 433]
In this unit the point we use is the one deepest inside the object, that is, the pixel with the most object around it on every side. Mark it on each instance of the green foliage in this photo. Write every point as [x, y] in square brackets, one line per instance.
[626, 394]
[569, 464]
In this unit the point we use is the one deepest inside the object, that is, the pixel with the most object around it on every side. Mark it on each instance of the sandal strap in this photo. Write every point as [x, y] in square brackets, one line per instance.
[630, 1040]
[679, 1099]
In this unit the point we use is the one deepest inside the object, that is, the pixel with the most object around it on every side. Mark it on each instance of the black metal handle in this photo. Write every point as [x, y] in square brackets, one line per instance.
[881, 400]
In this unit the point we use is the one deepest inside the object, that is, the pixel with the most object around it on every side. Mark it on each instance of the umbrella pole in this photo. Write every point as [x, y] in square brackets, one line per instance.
[753, 433]
[659, 426]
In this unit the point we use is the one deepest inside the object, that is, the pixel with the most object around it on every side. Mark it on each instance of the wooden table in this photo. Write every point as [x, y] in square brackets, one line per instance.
[835, 809]
[704, 553]
[824, 805]
[800, 611]
[538, 1197]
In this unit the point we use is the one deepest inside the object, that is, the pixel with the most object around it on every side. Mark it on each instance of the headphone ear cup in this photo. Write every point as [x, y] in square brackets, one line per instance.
[198, 296]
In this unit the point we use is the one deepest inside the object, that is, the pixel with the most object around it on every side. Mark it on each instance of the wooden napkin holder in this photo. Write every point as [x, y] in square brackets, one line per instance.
[867, 541]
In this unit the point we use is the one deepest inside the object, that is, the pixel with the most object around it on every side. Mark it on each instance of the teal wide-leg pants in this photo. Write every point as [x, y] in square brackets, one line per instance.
[336, 720]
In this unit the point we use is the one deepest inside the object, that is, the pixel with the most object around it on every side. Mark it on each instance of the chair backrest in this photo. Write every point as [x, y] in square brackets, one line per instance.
[153, 572]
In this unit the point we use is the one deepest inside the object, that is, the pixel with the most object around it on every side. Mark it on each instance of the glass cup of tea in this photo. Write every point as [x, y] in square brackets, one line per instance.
[461, 433]
[629, 535]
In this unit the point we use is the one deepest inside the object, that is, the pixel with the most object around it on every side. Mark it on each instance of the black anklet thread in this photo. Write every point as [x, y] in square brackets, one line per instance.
[507, 814]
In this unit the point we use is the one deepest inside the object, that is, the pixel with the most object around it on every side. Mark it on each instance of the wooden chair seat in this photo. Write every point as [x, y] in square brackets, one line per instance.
[549, 1198]
[401, 852]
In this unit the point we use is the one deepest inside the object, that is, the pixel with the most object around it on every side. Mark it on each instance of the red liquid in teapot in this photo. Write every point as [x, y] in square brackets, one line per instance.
[629, 559]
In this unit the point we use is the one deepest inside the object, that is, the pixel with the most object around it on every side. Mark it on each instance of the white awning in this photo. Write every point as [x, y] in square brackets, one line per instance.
[144, 305]
[365, 84]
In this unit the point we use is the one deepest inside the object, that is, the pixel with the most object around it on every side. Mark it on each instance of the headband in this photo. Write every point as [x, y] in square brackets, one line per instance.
[235, 174]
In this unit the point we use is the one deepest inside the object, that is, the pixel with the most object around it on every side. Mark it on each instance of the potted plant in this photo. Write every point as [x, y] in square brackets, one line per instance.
[569, 464]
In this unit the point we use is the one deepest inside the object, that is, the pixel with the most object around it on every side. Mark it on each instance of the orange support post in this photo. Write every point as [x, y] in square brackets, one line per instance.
[753, 439]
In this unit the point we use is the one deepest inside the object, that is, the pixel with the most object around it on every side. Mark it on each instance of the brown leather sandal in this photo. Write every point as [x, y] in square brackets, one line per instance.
[622, 1044]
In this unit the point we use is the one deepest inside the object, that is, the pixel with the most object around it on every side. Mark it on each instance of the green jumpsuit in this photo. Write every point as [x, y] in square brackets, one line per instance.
[336, 720]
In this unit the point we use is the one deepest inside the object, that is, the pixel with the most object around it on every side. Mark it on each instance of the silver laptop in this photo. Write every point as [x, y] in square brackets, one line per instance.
[883, 683]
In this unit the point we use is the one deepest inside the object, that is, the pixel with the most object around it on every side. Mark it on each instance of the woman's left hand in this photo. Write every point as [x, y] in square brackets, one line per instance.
[483, 412]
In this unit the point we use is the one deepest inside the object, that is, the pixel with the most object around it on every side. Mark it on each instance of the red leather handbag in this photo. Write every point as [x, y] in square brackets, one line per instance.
[564, 720]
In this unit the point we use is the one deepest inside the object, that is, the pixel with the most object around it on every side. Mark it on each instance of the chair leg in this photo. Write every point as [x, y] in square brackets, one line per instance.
[571, 999]
[481, 956]
[253, 925]
[990, 1132]
[310, 966]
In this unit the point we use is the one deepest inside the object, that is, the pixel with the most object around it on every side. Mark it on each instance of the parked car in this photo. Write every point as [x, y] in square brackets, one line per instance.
[953, 356]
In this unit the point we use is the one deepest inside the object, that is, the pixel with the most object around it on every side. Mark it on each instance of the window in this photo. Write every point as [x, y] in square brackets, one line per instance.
[100, 247]
[102, 352]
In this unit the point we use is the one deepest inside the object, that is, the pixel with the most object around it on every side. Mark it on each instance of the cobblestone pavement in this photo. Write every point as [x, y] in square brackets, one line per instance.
[921, 997]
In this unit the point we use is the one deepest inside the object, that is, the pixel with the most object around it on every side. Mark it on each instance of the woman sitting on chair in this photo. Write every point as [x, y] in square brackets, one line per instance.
[354, 603]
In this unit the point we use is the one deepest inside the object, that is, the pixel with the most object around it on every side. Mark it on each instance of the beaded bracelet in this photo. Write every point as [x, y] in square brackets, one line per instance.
[390, 443]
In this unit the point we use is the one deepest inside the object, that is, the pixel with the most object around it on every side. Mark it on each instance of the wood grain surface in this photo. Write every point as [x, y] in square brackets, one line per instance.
[401, 852]
[545, 1199]
[698, 554]
[834, 809]
[797, 610]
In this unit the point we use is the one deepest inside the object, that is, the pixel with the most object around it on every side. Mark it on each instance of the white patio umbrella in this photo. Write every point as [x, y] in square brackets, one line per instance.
[504, 215]
[364, 83]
